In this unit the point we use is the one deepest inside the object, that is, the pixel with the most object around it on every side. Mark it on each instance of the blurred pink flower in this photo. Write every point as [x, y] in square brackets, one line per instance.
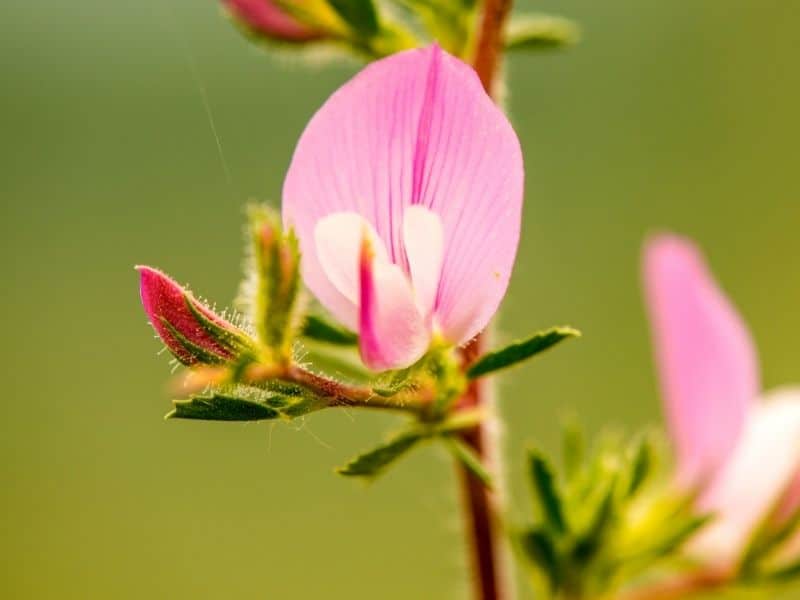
[268, 18]
[741, 453]
[405, 191]
[191, 331]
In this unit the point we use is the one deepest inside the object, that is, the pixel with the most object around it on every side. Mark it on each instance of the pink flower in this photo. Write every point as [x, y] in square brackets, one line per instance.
[405, 191]
[189, 329]
[741, 452]
[266, 17]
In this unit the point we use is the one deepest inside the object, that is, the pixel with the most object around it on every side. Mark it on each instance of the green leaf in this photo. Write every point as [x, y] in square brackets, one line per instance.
[661, 537]
[679, 532]
[342, 363]
[540, 32]
[372, 463]
[221, 407]
[519, 351]
[593, 536]
[546, 495]
[768, 538]
[447, 21]
[247, 403]
[360, 15]
[641, 465]
[540, 548]
[459, 421]
[783, 574]
[573, 448]
[320, 329]
[469, 460]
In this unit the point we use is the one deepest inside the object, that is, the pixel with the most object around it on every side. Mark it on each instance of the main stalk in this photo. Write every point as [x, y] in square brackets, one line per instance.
[481, 504]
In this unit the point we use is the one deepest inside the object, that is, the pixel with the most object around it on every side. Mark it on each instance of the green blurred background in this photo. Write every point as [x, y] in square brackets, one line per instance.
[669, 115]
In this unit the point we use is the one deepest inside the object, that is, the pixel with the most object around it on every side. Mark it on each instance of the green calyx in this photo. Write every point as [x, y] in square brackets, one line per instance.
[273, 282]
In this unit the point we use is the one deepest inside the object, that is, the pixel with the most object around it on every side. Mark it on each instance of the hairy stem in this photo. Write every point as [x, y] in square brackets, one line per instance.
[342, 394]
[490, 580]
[479, 502]
[489, 46]
[332, 392]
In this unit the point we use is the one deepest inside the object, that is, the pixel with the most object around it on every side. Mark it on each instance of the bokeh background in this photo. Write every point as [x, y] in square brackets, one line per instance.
[669, 115]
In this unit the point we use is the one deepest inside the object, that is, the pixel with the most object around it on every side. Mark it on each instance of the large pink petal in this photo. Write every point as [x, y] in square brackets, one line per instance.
[392, 332]
[706, 360]
[416, 128]
[754, 479]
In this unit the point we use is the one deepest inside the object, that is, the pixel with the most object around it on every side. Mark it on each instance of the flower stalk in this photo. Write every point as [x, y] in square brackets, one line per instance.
[490, 42]
[331, 392]
[491, 581]
[480, 502]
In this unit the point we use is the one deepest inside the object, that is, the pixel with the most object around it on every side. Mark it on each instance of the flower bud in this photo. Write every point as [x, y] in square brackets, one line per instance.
[192, 332]
[267, 18]
[276, 276]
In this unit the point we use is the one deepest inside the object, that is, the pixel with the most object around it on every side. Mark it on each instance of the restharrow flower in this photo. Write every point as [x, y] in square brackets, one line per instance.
[741, 453]
[405, 192]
